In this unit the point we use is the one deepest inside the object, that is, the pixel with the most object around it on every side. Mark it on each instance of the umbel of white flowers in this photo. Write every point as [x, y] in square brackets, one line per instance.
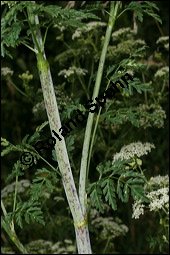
[136, 148]
[157, 190]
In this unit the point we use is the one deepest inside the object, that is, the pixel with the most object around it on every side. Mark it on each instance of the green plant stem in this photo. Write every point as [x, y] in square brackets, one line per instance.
[15, 194]
[11, 82]
[45, 35]
[82, 83]
[92, 141]
[91, 74]
[29, 47]
[30, 21]
[93, 136]
[15, 200]
[163, 87]
[83, 169]
[145, 92]
[93, 45]
[106, 246]
[3, 208]
[122, 13]
[50, 165]
[11, 232]
[80, 222]
[159, 28]
[84, 87]
[18, 89]
[13, 237]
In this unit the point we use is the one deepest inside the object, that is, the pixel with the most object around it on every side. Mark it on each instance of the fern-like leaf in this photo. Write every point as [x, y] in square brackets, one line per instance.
[109, 192]
[70, 145]
[96, 196]
[44, 179]
[144, 7]
[133, 184]
[138, 85]
[29, 211]
[120, 182]
[37, 133]
[17, 170]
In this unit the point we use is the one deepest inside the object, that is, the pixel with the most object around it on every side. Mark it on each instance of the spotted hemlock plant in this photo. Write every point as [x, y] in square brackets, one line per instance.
[119, 179]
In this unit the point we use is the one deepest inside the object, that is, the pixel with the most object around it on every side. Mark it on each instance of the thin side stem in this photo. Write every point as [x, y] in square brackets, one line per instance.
[18, 88]
[84, 87]
[15, 200]
[83, 169]
[11, 232]
[13, 237]
[3, 208]
[55, 169]
[93, 136]
[92, 70]
[15, 194]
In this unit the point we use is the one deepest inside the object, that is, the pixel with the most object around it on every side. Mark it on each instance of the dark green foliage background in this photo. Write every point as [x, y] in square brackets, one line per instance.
[18, 120]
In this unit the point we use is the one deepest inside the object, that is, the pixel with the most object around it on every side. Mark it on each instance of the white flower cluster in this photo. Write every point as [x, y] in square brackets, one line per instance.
[9, 3]
[139, 41]
[7, 250]
[26, 76]
[122, 31]
[131, 63]
[6, 71]
[22, 186]
[166, 46]
[137, 209]
[159, 198]
[163, 39]
[47, 247]
[125, 46]
[89, 27]
[157, 120]
[58, 198]
[77, 33]
[162, 72]
[159, 180]
[107, 226]
[157, 190]
[136, 148]
[72, 70]
[94, 24]
[38, 107]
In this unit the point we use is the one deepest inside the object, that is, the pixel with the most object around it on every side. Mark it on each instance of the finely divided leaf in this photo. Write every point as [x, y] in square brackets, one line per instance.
[109, 192]
[124, 186]
[135, 6]
[138, 85]
[54, 156]
[96, 198]
[144, 7]
[44, 179]
[152, 5]
[120, 190]
[37, 132]
[137, 193]
[29, 211]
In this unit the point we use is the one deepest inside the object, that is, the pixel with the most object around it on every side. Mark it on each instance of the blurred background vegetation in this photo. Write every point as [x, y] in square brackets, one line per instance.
[19, 117]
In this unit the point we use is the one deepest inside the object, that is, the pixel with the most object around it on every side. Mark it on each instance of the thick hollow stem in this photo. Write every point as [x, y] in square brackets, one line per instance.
[81, 228]
[82, 237]
[82, 234]
[60, 147]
